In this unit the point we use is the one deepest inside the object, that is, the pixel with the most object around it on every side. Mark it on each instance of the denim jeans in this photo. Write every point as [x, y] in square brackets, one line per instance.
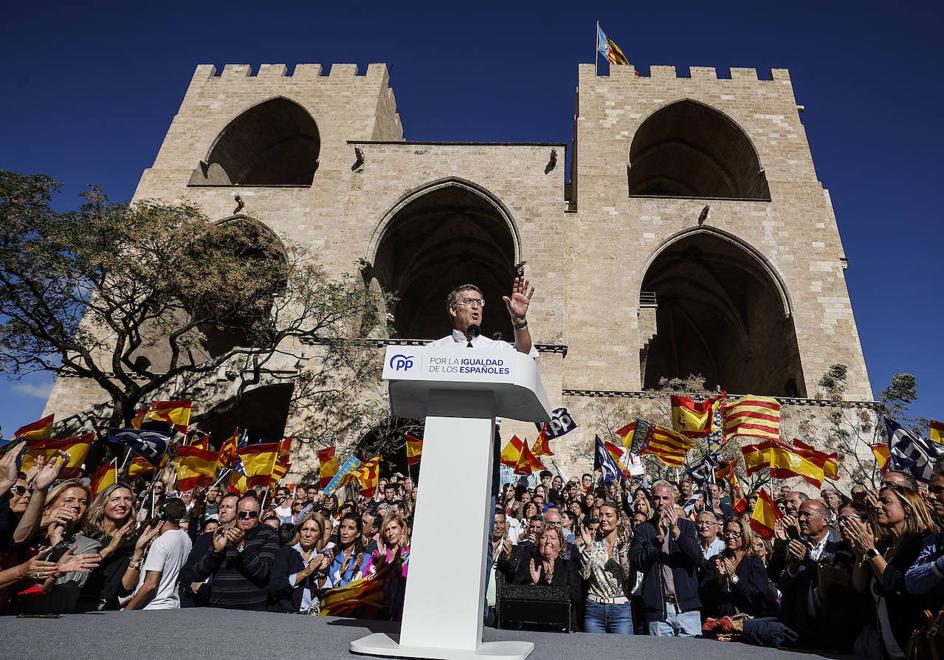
[676, 624]
[608, 618]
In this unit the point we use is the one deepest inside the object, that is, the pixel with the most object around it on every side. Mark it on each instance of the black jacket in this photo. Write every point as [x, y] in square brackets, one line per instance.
[684, 557]
[283, 597]
[752, 594]
[201, 546]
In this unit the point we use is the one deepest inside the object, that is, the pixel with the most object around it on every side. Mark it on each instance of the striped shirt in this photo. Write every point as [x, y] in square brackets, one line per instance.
[240, 580]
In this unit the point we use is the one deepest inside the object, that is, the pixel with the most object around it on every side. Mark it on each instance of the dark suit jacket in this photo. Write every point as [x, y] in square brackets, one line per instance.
[684, 557]
[283, 597]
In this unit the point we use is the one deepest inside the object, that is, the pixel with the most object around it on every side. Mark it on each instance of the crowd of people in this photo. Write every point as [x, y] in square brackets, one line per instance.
[860, 573]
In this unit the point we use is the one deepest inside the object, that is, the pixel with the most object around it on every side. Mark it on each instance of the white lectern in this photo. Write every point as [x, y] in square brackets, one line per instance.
[459, 391]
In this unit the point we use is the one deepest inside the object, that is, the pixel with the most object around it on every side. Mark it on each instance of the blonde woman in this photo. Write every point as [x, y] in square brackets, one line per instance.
[110, 521]
[393, 551]
[298, 569]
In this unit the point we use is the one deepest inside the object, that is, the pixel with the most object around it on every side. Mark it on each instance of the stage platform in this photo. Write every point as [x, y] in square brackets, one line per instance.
[210, 633]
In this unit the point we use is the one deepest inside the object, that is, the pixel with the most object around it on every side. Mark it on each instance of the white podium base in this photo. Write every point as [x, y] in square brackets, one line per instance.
[383, 645]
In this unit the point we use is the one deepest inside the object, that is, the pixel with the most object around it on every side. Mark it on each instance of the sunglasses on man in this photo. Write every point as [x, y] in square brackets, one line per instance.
[245, 515]
[21, 490]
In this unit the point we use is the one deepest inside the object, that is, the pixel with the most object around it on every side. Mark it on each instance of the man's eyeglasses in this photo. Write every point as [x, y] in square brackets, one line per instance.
[471, 302]
[706, 523]
[23, 490]
[245, 515]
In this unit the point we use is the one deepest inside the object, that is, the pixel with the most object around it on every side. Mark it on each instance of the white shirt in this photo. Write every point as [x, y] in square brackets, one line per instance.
[167, 554]
[479, 342]
[713, 549]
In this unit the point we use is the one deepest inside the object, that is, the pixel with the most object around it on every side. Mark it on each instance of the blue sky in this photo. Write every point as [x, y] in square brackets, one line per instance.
[90, 88]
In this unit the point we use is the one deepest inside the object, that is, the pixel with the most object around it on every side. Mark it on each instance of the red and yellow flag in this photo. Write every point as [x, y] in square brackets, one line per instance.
[694, 419]
[765, 515]
[328, 466]
[38, 430]
[738, 501]
[829, 462]
[77, 448]
[105, 476]
[511, 452]
[414, 450]
[141, 467]
[617, 454]
[783, 461]
[756, 457]
[367, 476]
[362, 598]
[937, 431]
[753, 417]
[258, 462]
[195, 467]
[202, 443]
[883, 456]
[668, 446]
[174, 413]
[228, 451]
[527, 462]
[541, 446]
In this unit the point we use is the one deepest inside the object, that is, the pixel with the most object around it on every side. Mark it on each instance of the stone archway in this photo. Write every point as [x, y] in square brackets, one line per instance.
[723, 313]
[444, 235]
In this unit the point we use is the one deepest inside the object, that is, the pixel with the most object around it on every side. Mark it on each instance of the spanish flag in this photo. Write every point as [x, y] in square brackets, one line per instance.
[541, 446]
[937, 431]
[883, 455]
[105, 476]
[765, 515]
[829, 462]
[414, 449]
[285, 449]
[174, 413]
[753, 417]
[258, 462]
[362, 598]
[527, 462]
[202, 443]
[738, 501]
[327, 466]
[38, 430]
[77, 449]
[694, 419]
[511, 452]
[668, 446]
[195, 467]
[756, 457]
[141, 467]
[785, 462]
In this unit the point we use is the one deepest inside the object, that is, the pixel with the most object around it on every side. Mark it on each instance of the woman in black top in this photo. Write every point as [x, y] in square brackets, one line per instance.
[110, 521]
[736, 580]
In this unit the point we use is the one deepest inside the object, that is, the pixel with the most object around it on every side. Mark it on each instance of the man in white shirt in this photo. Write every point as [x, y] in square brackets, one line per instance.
[157, 585]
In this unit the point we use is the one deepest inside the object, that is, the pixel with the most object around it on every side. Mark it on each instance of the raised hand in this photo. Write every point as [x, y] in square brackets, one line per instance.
[81, 563]
[506, 548]
[120, 535]
[146, 537]
[219, 540]
[797, 550]
[34, 469]
[519, 300]
[535, 572]
[586, 537]
[8, 467]
[49, 472]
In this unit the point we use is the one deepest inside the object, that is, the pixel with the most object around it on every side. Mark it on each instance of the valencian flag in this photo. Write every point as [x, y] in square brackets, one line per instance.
[511, 452]
[716, 435]
[149, 444]
[256, 463]
[883, 456]
[636, 435]
[541, 446]
[362, 598]
[829, 462]
[327, 466]
[105, 476]
[527, 462]
[765, 515]
[753, 417]
[195, 467]
[695, 419]
[668, 446]
[604, 462]
[38, 430]
[414, 449]
[608, 48]
[227, 455]
[937, 431]
[77, 448]
[175, 414]
[910, 452]
[368, 476]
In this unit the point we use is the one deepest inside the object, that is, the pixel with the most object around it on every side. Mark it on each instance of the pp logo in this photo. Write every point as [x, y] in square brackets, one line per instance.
[401, 362]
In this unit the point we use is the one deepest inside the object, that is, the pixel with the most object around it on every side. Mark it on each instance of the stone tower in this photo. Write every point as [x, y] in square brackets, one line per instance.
[692, 237]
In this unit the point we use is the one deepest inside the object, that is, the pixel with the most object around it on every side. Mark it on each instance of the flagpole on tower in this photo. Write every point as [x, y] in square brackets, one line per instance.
[596, 50]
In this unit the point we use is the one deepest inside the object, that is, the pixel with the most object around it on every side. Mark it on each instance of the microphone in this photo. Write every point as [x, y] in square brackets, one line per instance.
[473, 332]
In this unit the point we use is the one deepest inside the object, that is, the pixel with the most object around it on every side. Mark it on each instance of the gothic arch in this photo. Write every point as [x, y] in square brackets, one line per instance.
[275, 142]
[438, 236]
[723, 312]
[689, 149]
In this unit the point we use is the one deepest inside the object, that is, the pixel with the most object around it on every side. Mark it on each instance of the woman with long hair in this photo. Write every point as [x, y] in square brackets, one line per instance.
[394, 552]
[886, 548]
[110, 521]
[607, 574]
[736, 580]
[298, 569]
[347, 556]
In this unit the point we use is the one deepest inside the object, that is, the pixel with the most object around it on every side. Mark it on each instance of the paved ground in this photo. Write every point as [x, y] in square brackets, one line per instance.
[230, 635]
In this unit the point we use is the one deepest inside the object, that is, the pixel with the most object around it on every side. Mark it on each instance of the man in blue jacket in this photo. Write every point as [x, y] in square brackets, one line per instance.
[665, 549]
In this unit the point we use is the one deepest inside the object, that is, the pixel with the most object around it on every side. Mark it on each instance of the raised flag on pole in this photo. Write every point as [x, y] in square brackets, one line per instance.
[227, 454]
[636, 435]
[196, 467]
[765, 515]
[828, 462]
[883, 455]
[937, 432]
[608, 48]
[668, 446]
[695, 419]
[368, 476]
[140, 467]
[41, 429]
[785, 462]
[328, 466]
[561, 424]
[738, 501]
[511, 452]
[604, 462]
[753, 417]
[348, 466]
[175, 414]
[104, 476]
[77, 449]
[910, 452]
[414, 450]
[541, 445]
[149, 444]
[527, 463]
[258, 462]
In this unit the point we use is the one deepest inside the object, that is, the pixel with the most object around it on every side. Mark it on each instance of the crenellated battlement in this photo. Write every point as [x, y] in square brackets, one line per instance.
[209, 72]
[694, 72]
